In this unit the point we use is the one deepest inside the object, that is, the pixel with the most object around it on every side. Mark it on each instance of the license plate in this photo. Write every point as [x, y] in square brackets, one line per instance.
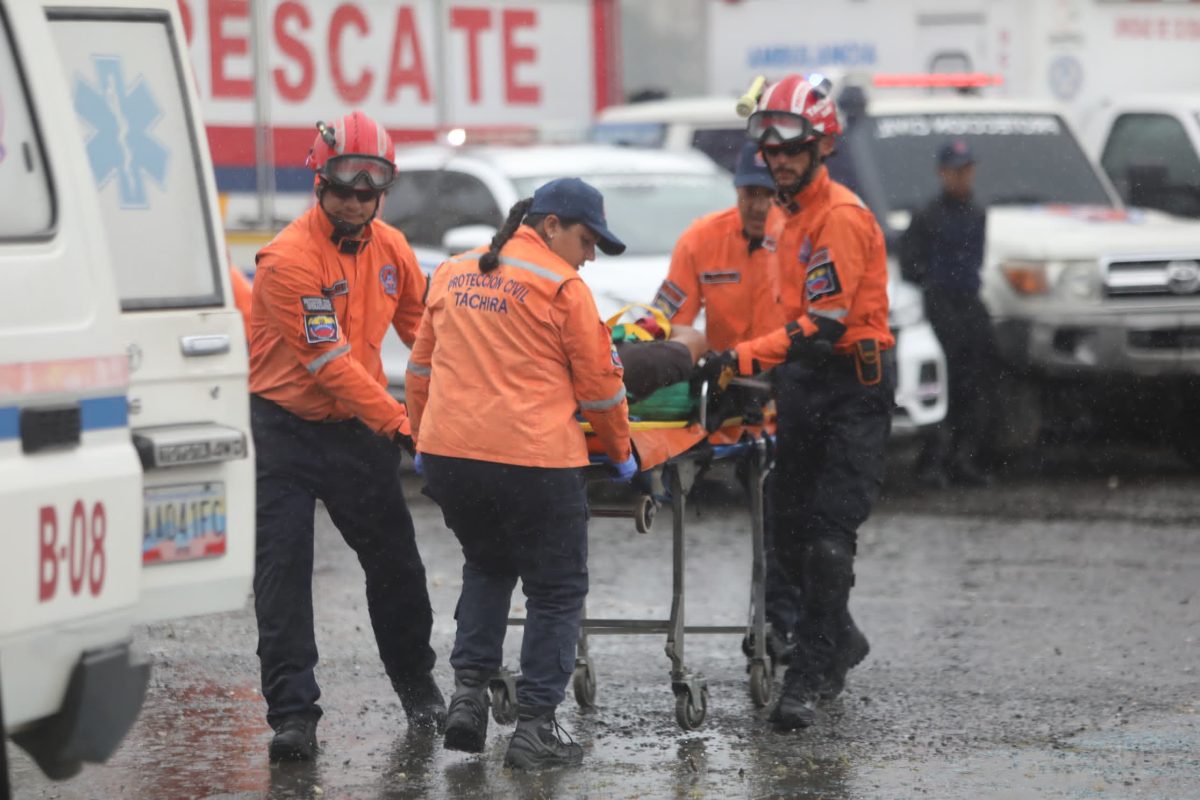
[184, 522]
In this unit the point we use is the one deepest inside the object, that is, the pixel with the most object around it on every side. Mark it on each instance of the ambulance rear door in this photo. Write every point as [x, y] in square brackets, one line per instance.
[70, 480]
[137, 111]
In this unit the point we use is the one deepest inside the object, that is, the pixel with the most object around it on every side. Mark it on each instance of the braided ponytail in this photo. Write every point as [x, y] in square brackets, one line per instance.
[491, 259]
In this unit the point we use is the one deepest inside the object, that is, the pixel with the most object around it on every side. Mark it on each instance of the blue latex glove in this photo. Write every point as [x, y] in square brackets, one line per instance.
[626, 470]
[419, 464]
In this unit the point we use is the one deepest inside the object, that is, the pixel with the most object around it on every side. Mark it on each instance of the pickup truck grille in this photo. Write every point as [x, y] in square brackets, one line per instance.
[1167, 339]
[1178, 277]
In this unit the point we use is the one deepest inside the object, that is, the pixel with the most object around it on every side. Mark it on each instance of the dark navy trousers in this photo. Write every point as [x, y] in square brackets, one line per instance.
[354, 472]
[831, 436]
[516, 522]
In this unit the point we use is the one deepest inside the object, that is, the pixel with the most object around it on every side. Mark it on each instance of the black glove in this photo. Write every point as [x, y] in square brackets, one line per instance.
[718, 368]
[405, 443]
[816, 350]
[812, 351]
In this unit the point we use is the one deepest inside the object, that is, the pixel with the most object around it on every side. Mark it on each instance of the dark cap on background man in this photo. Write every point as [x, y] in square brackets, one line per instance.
[752, 169]
[573, 199]
[955, 154]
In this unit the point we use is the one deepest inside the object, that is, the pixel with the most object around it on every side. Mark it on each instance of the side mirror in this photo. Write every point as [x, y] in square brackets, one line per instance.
[467, 237]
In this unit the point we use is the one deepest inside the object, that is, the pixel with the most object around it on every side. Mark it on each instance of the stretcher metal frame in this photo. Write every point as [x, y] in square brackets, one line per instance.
[676, 476]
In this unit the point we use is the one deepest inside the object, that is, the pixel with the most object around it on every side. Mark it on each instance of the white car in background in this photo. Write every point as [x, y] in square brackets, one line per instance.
[450, 199]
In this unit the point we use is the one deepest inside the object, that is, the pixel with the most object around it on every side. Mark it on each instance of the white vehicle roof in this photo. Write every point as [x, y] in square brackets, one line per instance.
[883, 104]
[517, 161]
[719, 110]
[696, 110]
[1185, 102]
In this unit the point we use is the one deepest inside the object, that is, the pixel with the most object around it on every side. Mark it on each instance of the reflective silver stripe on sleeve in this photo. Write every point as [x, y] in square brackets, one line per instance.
[829, 313]
[420, 369]
[600, 405]
[549, 275]
[315, 365]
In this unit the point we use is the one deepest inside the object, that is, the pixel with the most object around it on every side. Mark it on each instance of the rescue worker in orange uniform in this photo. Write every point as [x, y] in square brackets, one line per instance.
[325, 428]
[510, 348]
[725, 264]
[834, 385]
[721, 263]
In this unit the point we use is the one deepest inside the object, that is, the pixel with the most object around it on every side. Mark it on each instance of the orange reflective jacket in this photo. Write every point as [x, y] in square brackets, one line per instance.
[832, 262]
[504, 360]
[319, 316]
[712, 268]
[242, 295]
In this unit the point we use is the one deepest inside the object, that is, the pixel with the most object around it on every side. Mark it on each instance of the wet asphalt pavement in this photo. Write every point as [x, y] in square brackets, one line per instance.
[1036, 639]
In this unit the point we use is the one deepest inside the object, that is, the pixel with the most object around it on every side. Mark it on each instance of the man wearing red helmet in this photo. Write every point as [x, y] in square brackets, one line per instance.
[325, 428]
[834, 385]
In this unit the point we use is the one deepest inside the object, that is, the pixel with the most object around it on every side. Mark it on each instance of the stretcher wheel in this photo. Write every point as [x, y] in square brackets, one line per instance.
[504, 705]
[690, 710]
[643, 514]
[760, 685]
[584, 683]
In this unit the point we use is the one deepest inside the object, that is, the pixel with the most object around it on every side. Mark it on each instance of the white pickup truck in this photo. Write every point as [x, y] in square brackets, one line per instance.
[126, 464]
[1096, 306]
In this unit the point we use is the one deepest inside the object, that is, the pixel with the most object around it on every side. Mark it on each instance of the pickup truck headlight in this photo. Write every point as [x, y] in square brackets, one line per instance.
[1079, 280]
[1069, 280]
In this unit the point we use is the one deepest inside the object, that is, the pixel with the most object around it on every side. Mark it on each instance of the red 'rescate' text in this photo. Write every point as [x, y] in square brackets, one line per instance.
[294, 37]
[73, 550]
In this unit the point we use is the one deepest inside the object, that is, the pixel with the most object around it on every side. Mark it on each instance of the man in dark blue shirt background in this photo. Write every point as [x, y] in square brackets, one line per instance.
[942, 251]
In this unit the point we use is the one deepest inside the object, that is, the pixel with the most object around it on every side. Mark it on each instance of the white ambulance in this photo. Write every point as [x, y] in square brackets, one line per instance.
[126, 467]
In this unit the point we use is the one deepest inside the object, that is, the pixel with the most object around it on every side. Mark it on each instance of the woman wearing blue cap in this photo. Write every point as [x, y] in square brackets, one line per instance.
[510, 348]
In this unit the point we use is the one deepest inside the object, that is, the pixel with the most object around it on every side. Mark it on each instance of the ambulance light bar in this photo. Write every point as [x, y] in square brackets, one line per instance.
[939, 80]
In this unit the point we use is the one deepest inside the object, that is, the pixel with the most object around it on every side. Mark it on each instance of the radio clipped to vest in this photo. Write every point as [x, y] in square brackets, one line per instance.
[866, 362]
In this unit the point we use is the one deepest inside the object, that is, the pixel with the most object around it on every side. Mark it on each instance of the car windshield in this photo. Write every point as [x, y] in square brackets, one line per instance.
[1020, 159]
[649, 211]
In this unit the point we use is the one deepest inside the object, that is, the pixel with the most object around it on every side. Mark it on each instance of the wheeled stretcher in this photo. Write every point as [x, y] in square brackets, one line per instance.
[671, 456]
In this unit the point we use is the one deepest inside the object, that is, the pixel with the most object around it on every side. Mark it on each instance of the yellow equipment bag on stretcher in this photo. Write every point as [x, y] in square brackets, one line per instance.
[673, 402]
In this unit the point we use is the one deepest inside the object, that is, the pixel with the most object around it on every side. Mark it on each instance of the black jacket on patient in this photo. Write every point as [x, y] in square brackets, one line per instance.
[651, 365]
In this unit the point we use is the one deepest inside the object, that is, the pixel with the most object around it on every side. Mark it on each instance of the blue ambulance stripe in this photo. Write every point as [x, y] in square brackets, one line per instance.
[10, 423]
[94, 413]
[104, 412]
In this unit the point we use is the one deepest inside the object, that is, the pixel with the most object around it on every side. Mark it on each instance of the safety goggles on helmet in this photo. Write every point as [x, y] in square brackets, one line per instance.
[349, 170]
[767, 127]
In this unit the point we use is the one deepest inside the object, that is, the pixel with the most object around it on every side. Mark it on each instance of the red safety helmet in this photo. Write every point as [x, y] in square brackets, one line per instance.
[355, 148]
[795, 110]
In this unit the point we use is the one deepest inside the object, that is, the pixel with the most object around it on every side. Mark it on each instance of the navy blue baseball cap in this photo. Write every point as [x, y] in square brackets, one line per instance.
[955, 154]
[752, 169]
[571, 198]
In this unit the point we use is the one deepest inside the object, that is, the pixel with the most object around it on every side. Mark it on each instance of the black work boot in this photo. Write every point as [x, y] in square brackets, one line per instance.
[295, 739]
[779, 647]
[853, 650]
[467, 719]
[797, 706]
[422, 701]
[537, 743]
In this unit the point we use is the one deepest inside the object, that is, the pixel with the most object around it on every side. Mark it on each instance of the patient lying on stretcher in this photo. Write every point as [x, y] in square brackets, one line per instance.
[655, 364]
[663, 381]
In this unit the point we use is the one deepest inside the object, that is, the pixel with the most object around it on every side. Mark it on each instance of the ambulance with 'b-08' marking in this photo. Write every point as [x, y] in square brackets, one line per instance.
[126, 465]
